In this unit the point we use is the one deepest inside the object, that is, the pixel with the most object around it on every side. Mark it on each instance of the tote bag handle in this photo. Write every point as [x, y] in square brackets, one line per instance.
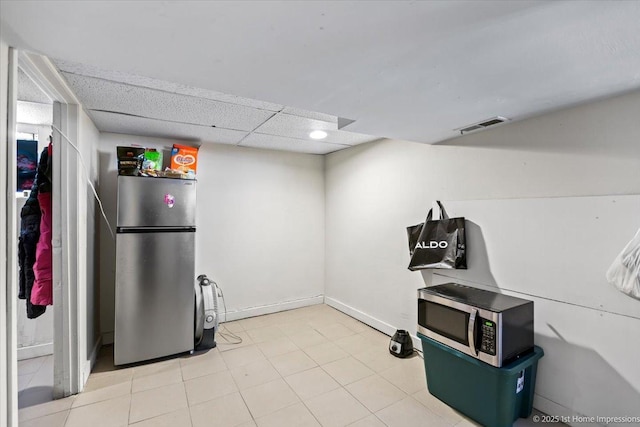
[443, 212]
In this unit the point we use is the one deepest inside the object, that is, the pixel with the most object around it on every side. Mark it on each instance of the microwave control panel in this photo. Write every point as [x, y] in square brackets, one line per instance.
[487, 336]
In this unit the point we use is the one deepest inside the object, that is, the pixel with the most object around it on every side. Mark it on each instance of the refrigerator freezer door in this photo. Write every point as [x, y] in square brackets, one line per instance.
[154, 295]
[156, 202]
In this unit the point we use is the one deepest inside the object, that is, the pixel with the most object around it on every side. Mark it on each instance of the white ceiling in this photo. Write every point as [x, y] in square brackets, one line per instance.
[123, 103]
[34, 106]
[29, 91]
[407, 70]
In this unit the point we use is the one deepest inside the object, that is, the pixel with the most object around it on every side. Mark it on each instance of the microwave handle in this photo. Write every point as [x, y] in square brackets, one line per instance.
[471, 332]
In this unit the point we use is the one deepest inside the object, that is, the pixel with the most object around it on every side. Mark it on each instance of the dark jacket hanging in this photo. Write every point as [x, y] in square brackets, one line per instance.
[29, 236]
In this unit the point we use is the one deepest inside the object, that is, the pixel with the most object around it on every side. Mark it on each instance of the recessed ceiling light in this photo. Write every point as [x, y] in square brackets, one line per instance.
[318, 134]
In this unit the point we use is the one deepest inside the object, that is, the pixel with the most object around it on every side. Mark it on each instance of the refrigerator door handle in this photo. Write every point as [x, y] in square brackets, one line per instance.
[124, 230]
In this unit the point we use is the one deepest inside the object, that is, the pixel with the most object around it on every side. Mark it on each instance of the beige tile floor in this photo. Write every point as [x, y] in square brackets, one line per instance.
[35, 381]
[313, 366]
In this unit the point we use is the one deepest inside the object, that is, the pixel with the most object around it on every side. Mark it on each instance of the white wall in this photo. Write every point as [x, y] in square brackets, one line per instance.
[555, 251]
[374, 191]
[8, 365]
[260, 225]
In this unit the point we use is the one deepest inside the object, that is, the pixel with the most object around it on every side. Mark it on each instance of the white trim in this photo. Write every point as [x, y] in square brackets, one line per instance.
[66, 341]
[375, 323]
[35, 351]
[89, 364]
[60, 345]
[270, 308]
[8, 253]
[243, 313]
[5, 319]
[11, 236]
[65, 256]
[45, 75]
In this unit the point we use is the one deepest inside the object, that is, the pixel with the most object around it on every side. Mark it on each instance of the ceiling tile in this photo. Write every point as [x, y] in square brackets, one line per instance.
[29, 91]
[282, 122]
[231, 99]
[271, 142]
[299, 127]
[99, 94]
[34, 113]
[120, 123]
[310, 114]
[165, 86]
[349, 138]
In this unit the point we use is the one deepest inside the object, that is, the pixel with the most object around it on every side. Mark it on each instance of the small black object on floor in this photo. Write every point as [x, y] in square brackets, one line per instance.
[401, 344]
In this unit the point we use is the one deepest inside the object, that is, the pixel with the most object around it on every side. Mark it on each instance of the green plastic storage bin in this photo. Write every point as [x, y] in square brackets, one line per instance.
[494, 397]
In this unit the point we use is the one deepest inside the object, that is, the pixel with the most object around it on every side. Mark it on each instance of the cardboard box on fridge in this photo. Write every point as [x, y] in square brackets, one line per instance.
[184, 158]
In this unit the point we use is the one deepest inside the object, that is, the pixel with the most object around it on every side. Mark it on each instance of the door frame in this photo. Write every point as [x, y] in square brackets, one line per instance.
[65, 179]
[9, 248]
[66, 109]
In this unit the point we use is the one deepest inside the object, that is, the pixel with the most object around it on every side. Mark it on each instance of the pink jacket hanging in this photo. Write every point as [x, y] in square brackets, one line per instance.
[42, 291]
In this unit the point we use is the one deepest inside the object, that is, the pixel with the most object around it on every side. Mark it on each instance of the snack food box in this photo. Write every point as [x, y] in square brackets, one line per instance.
[129, 160]
[184, 158]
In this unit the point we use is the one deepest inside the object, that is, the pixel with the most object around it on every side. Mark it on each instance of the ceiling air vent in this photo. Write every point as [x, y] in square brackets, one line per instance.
[483, 124]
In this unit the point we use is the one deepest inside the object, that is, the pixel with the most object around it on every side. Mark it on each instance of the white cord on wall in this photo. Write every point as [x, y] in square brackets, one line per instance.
[86, 172]
[227, 335]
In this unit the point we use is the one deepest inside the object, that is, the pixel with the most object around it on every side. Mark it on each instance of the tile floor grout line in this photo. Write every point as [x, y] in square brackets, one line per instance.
[246, 405]
[189, 410]
[66, 417]
[130, 400]
[311, 412]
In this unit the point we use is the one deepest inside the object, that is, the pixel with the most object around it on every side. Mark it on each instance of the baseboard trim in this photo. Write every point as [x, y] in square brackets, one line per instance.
[89, 364]
[243, 313]
[375, 323]
[35, 351]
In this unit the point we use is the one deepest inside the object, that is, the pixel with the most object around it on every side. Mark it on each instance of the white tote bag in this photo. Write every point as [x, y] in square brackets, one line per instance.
[624, 273]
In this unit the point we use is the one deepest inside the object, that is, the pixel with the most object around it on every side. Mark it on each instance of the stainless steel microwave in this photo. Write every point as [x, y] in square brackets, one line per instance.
[491, 327]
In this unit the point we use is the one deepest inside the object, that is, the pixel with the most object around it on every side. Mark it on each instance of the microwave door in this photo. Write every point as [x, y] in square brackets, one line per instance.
[448, 322]
[457, 325]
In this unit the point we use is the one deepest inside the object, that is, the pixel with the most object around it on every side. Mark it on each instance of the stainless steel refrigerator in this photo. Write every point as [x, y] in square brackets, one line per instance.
[155, 269]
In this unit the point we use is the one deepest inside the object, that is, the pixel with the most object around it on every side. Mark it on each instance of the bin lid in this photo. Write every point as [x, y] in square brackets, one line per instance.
[523, 362]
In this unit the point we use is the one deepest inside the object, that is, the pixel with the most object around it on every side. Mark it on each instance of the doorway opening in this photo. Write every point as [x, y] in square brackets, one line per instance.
[70, 241]
[34, 318]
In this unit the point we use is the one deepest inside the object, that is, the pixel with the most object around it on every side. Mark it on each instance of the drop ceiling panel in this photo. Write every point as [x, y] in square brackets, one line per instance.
[75, 68]
[99, 94]
[291, 126]
[270, 142]
[34, 113]
[29, 91]
[349, 138]
[118, 123]
[311, 115]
